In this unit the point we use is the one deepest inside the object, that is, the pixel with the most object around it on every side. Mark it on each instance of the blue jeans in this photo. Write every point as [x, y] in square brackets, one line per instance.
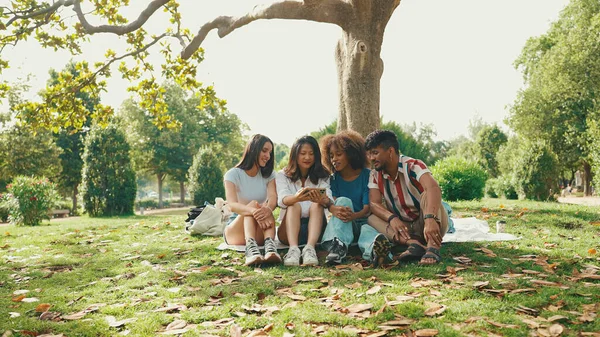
[349, 232]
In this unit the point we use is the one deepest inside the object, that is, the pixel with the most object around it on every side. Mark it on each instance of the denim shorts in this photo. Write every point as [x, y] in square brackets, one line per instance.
[232, 217]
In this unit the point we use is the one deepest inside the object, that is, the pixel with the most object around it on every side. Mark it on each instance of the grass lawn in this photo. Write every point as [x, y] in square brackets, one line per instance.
[143, 276]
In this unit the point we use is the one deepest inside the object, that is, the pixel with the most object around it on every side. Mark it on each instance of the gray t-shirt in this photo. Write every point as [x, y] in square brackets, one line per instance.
[249, 188]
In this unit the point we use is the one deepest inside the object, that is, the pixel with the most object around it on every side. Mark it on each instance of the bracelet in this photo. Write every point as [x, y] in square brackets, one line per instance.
[391, 218]
[432, 216]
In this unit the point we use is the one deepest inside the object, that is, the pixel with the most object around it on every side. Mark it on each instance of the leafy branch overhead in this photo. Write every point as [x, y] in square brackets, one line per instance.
[67, 25]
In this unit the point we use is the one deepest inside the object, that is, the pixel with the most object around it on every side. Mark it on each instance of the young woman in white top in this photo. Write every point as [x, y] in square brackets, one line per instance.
[252, 196]
[303, 193]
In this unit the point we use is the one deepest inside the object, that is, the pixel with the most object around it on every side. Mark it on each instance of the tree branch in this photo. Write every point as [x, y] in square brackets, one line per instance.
[337, 12]
[118, 30]
[50, 9]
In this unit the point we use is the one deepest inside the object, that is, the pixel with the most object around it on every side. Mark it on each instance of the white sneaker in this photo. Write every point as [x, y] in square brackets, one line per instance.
[292, 258]
[309, 256]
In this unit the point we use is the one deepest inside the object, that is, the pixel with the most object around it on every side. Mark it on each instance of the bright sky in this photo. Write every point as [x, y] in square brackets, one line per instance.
[445, 62]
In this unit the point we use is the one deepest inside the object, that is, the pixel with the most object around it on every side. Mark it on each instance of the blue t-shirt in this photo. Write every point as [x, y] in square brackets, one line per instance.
[249, 188]
[356, 190]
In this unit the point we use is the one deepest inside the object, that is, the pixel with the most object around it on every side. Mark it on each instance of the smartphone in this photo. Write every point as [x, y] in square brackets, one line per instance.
[322, 191]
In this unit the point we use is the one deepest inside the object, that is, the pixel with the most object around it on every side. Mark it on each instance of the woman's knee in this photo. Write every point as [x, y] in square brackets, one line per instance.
[343, 201]
[295, 210]
[315, 207]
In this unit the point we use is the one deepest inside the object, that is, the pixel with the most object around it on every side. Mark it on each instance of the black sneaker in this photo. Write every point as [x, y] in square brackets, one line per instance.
[253, 255]
[271, 255]
[337, 252]
[381, 251]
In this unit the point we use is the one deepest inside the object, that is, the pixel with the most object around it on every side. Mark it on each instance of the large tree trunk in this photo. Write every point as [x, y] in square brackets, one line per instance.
[587, 179]
[181, 192]
[75, 192]
[160, 177]
[360, 67]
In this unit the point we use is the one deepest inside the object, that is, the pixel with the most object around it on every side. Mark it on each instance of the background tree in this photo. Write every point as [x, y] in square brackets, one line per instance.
[54, 26]
[489, 140]
[206, 177]
[70, 139]
[169, 152]
[282, 153]
[358, 52]
[108, 175]
[562, 75]
[22, 151]
[530, 166]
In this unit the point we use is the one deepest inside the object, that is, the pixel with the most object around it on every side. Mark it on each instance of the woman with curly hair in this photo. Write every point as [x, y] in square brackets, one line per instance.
[345, 155]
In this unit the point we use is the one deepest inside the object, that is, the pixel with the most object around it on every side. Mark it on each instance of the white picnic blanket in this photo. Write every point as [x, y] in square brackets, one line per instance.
[467, 230]
[474, 230]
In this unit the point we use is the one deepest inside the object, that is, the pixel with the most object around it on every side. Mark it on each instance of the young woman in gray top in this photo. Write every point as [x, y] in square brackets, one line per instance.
[252, 196]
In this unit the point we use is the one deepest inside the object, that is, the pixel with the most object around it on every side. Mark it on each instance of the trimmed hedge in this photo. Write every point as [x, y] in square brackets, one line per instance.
[459, 178]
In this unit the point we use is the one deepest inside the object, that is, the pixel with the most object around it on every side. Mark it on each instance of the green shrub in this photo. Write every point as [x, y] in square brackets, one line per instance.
[491, 188]
[148, 203]
[108, 177]
[459, 178]
[3, 211]
[29, 200]
[531, 167]
[206, 177]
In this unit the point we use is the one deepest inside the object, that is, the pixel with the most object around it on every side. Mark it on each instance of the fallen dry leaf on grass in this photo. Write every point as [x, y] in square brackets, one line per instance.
[43, 307]
[18, 298]
[235, 331]
[531, 323]
[50, 316]
[526, 310]
[481, 284]
[355, 308]
[176, 324]
[297, 297]
[434, 309]
[373, 290]
[426, 332]
[462, 259]
[354, 285]
[556, 329]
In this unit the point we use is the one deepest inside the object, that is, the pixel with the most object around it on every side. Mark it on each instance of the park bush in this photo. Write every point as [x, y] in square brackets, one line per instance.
[501, 187]
[532, 168]
[459, 178]
[206, 177]
[150, 203]
[29, 200]
[109, 185]
[491, 188]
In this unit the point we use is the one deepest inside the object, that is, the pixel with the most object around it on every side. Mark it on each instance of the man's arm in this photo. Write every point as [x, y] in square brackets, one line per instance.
[434, 201]
[396, 226]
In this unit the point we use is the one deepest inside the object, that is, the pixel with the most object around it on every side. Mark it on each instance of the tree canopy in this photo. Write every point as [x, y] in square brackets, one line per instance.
[68, 25]
[561, 69]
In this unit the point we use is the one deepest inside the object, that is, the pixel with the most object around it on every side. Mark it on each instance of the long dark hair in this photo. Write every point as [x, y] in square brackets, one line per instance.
[351, 142]
[252, 152]
[316, 171]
